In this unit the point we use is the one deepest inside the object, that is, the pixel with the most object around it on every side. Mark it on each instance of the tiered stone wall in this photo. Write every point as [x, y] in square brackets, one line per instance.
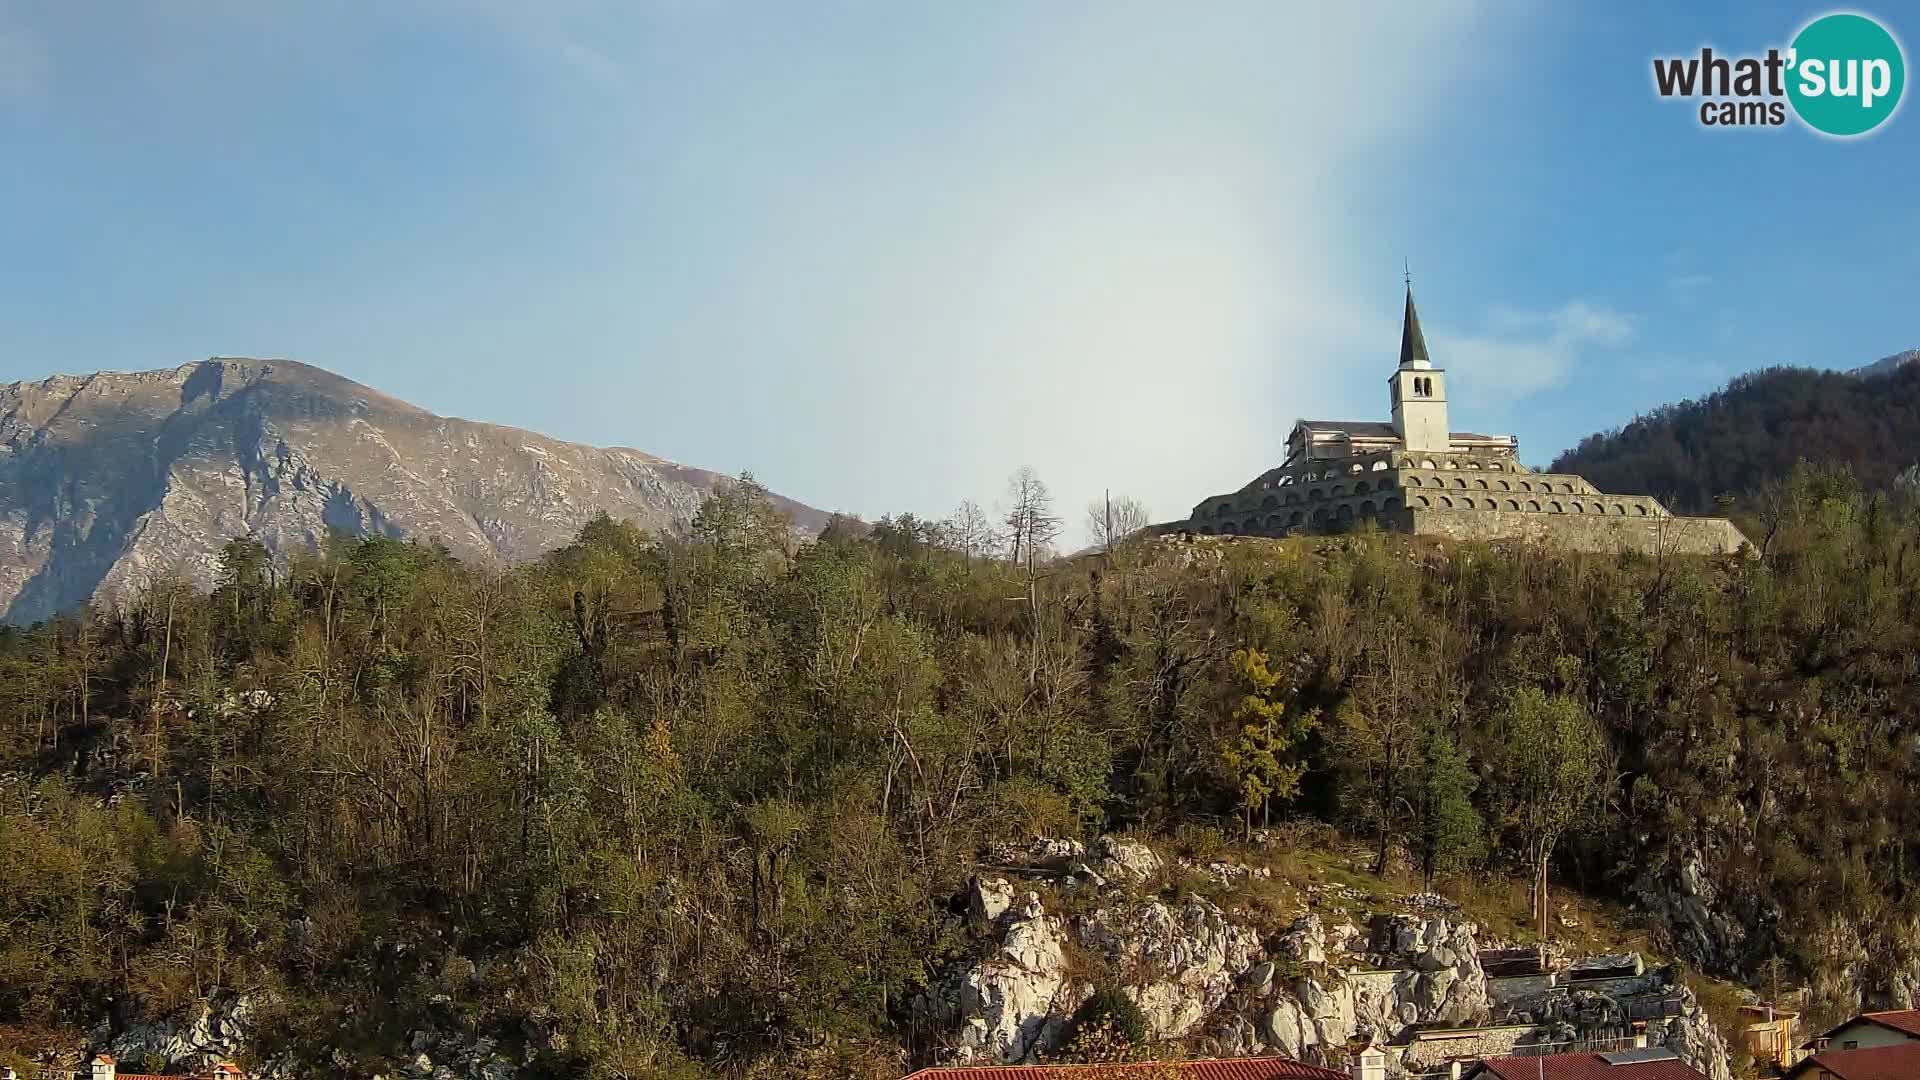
[1654, 535]
[1462, 496]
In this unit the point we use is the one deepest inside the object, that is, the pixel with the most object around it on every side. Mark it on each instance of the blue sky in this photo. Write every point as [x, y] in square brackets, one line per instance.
[884, 254]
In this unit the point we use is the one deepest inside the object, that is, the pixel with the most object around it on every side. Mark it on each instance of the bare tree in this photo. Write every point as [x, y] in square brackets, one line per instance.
[1032, 523]
[1112, 520]
[969, 531]
[1034, 526]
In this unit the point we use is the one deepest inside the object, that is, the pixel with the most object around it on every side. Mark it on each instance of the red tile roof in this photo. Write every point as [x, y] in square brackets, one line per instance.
[1901, 1061]
[1907, 1020]
[1270, 1068]
[1585, 1067]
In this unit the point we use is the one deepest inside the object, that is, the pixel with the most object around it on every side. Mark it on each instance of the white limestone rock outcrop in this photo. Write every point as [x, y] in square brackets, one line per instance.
[1126, 860]
[1188, 958]
[1002, 1007]
[196, 1037]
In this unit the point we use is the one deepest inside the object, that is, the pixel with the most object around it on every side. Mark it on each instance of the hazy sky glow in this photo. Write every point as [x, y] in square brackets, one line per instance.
[883, 254]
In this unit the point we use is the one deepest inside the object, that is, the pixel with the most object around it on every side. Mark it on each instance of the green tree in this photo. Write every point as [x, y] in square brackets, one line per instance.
[1552, 762]
[1448, 831]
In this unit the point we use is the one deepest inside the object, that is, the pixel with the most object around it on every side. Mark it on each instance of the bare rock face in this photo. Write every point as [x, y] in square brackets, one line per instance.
[1010, 1004]
[197, 1037]
[1124, 860]
[1190, 957]
[1694, 1039]
[1705, 928]
[107, 480]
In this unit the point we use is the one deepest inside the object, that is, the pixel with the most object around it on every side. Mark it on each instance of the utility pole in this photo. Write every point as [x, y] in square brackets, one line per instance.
[1109, 533]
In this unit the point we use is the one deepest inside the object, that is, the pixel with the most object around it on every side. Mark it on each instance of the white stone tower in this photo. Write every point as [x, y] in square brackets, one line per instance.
[1419, 391]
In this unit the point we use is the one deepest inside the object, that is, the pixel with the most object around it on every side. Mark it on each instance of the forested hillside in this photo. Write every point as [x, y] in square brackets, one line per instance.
[1736, 441]
[686, 807]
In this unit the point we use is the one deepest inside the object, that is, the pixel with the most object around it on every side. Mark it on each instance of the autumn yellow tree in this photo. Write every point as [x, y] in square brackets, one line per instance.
[1257, 754]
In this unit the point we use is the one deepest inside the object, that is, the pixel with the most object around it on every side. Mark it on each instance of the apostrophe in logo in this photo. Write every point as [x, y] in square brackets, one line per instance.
[1842, 76]
[1847, 74]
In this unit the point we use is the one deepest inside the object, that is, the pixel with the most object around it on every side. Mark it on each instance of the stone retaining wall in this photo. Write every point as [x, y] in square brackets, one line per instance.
[1669, 535]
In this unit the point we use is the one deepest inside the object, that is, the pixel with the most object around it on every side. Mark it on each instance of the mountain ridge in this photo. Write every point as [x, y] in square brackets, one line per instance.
[1750, 432]
[109, 478]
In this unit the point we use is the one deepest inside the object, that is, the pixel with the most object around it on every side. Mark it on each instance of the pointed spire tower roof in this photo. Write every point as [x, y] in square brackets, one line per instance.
[1413, 344]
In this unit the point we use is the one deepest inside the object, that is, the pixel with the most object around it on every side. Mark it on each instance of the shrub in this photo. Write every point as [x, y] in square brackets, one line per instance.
[1109, 1008]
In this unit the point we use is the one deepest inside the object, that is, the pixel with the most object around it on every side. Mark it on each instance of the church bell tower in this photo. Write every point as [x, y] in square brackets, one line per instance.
[1419, 391]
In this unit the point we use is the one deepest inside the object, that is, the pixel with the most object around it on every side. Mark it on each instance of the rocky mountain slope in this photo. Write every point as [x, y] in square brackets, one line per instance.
[1736, 440]
[111, 478]
[1887, 365]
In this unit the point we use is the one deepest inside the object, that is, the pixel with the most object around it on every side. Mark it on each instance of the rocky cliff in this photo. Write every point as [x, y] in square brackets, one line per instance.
[111, 478]
[1202, 973]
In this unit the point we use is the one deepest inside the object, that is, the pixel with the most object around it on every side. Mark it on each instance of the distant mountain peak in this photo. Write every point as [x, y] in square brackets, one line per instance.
[109, 479]
[1887, 365]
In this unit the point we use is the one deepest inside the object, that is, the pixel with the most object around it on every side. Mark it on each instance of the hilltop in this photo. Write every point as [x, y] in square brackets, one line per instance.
[1750, 433]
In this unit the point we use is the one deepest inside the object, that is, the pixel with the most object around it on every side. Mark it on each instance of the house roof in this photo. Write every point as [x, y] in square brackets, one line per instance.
[1267, 1068]
[1904, 1021]
[1900, 1061]
[1907, 1020]
[1378, 429]
[1652, 1064]
[1508, 963]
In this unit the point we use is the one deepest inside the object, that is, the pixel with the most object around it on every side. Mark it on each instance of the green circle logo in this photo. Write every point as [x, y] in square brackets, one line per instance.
[1845, 74]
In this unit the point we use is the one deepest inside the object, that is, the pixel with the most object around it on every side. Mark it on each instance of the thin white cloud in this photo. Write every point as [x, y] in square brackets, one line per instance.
[1686, 288]
[1525, 352]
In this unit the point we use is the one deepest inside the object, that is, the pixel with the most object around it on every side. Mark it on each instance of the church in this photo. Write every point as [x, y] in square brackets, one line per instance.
[1415, 474]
